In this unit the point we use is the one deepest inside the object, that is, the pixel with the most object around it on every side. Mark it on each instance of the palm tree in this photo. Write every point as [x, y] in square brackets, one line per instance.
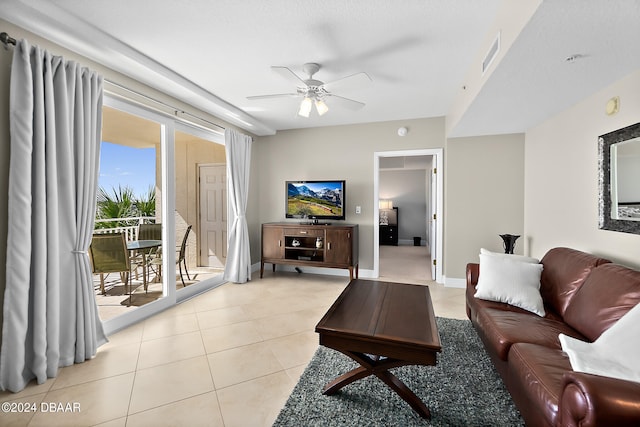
[120, 204]
[145, 205]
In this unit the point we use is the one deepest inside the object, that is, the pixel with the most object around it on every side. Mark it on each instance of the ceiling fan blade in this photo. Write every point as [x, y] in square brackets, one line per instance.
[276, 95]
[289, 75]
[353, 81]
[345, 102]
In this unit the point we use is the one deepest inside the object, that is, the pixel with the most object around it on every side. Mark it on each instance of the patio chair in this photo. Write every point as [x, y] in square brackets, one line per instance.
[109, 254]
[150, 232]
[147, 232]
[180, 257]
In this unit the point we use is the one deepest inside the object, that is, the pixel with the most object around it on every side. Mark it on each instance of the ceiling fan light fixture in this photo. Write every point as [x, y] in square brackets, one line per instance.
[315, 91]
[305, 107]
[321, 107]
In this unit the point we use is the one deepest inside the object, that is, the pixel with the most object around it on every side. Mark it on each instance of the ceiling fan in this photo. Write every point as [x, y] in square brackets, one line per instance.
[314, 91]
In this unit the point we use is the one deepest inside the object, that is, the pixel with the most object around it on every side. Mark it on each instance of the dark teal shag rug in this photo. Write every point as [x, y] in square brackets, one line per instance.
[463, 389]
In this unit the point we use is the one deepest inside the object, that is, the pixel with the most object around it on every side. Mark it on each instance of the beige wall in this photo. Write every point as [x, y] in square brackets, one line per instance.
[337, 152]
[483, 176]
[484, 183]
[561, 182]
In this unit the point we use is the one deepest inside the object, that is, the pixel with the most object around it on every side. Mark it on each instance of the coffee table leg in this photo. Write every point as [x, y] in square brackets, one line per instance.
[344, 380]
[379, 368]
[405, 393]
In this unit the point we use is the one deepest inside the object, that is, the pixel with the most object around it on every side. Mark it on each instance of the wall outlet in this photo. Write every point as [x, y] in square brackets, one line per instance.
[358, 209]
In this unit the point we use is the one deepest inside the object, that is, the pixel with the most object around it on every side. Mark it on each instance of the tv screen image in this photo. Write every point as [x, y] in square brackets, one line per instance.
[315, 199]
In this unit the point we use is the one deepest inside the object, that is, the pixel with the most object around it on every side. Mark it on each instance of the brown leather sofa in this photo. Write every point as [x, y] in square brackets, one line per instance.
[583, 296]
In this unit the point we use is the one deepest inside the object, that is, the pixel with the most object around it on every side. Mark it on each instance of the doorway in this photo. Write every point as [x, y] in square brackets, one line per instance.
[429, 214]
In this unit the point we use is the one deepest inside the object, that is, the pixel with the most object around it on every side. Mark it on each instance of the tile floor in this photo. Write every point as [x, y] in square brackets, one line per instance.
[116, 301]
[229, 357]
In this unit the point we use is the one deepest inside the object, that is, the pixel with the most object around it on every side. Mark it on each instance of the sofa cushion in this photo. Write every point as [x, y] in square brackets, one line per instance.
[535, 380]
[512, 281]
[503, 328]
[564, 272]
[609, 292]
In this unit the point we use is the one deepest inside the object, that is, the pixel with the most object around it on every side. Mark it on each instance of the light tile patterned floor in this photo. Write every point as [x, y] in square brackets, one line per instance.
[229, 357]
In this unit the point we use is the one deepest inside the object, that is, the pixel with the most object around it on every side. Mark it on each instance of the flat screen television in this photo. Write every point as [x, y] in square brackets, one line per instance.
[315, 200]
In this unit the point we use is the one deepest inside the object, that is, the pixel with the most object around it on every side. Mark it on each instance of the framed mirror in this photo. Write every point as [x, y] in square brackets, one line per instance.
[619, 180]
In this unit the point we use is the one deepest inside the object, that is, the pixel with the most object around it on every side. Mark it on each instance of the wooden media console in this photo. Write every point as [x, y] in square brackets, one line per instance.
[330, 246]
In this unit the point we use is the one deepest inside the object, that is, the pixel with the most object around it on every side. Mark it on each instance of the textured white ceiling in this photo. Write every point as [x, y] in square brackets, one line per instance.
[213, 54]
[535, 81]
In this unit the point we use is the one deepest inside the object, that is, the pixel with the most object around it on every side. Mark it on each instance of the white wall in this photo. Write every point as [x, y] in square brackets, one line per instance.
[561, 181]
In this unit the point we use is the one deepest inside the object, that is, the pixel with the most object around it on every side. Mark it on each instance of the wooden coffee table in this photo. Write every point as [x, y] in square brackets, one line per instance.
[382, 325]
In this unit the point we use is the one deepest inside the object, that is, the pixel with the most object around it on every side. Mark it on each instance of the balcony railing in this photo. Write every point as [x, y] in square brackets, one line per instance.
[129, 226]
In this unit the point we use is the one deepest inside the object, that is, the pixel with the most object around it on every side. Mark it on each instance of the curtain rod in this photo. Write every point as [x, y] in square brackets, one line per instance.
[6, 39]
[177, 110]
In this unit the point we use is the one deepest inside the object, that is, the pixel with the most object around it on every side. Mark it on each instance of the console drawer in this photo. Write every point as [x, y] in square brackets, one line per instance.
[305, 232]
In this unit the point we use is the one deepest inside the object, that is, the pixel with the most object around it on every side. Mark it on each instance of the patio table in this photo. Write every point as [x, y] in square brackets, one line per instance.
[142, 245]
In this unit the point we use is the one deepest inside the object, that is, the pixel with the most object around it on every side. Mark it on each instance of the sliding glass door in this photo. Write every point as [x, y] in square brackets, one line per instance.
[130, 204]
[150, 193]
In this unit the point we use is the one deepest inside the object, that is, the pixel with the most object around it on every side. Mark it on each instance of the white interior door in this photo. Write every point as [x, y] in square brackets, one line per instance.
[213, 215]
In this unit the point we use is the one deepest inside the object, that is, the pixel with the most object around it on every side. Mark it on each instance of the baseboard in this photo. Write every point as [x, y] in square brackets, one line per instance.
[410, 242]
[452, 282]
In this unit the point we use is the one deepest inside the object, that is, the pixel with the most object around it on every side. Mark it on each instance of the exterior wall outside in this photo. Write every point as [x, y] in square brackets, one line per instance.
[189, 153]
[561, 176]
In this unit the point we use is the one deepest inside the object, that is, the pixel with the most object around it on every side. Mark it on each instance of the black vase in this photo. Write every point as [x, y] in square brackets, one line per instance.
[509, 242]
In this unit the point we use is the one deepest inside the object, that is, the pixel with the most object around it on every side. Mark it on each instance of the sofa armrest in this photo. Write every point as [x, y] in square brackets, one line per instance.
[473, 271]
[593, 400]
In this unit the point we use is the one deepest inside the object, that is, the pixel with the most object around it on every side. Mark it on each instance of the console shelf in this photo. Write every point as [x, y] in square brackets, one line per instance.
[331, 246]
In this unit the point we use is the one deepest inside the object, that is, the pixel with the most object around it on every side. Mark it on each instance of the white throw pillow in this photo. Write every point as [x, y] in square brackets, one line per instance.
[514, 257]
[613, 354]
[505, 279]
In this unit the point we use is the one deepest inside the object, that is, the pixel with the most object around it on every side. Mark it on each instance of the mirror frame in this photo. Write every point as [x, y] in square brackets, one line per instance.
[605, 222]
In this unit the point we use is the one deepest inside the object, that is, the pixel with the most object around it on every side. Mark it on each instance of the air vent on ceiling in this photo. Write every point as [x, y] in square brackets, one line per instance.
[491, 55]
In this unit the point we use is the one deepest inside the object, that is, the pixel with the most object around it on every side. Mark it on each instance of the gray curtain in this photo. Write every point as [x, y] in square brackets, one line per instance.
[238, 152]
[50, 313]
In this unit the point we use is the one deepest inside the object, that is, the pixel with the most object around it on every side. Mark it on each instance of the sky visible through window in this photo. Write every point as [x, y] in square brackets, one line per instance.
[127, 166]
